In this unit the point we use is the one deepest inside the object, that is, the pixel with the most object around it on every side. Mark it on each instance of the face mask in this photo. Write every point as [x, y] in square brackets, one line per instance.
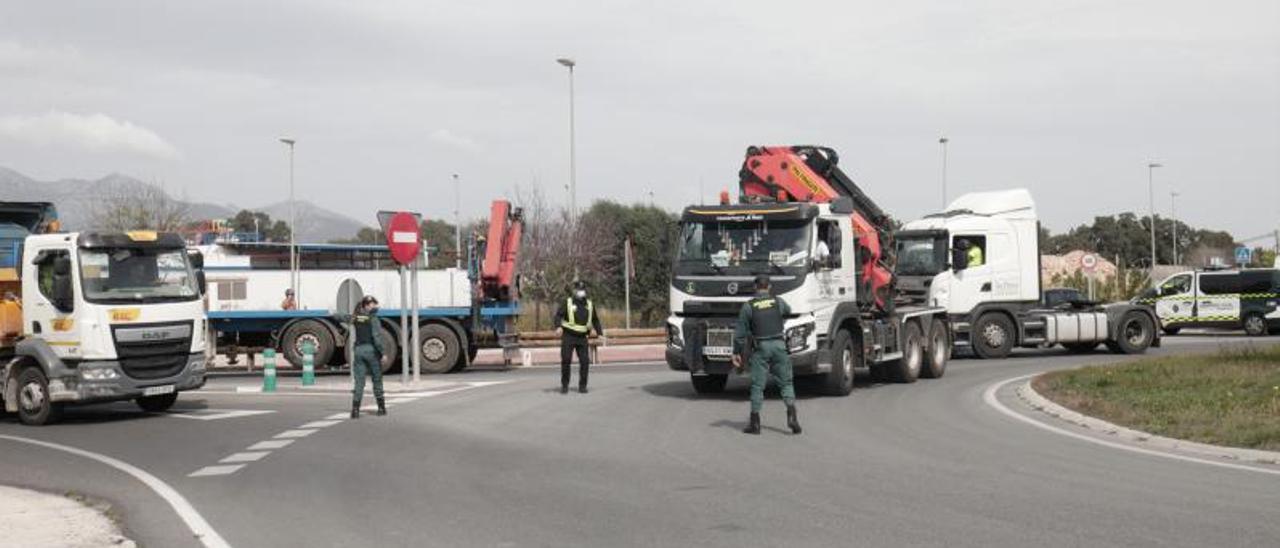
[581, 294]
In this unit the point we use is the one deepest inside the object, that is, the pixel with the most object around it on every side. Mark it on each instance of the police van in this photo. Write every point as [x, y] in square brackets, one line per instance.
[1246, 299]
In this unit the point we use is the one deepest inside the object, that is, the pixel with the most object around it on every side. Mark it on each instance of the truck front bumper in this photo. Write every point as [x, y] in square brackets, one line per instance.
[805, 362]
[105, 380]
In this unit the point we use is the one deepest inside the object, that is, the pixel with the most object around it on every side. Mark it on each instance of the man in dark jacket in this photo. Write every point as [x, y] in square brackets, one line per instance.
[368, 354]
[574, 321]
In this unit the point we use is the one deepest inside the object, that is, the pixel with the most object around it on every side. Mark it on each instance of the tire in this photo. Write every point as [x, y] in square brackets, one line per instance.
[34, 406]
[157, 404]
[907, 369]
[464, 359]
[440, 348]
[845, 358]
[1080, 347]
[390, 348]
[307, 331]
[993, 336]
[1134, 335]
[1255, 325]
[709, 384]
[937, 351]
[1171, 330]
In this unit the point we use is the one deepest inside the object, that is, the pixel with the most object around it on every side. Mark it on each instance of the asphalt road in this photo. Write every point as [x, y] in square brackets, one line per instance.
[641, 461]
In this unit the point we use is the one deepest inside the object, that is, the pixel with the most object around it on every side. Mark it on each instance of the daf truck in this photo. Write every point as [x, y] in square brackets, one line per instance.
[89, 317]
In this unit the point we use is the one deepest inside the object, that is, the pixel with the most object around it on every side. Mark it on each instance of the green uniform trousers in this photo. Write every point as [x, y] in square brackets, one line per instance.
[770, 359]
[367, 360]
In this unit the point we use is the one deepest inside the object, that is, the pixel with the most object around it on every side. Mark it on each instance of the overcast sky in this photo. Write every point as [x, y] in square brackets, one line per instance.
[388, 99]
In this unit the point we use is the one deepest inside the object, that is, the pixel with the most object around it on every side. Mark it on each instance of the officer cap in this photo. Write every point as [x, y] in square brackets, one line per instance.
[762, 281]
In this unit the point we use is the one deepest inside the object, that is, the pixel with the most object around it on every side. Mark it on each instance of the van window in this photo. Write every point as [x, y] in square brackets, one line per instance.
[1220, 284]
[1176, 285]
[1260, 281]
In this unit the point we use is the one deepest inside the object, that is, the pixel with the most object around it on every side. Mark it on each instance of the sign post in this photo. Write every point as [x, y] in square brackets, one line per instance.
[402, 230]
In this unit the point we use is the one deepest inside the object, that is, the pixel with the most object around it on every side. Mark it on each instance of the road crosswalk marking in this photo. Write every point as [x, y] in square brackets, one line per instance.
[248, 456]
[216, 414]
[220, 470]
[270, 444]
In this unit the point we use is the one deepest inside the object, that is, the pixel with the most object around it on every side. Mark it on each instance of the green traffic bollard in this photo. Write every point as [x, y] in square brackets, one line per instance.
[269, 370]
[308, 364]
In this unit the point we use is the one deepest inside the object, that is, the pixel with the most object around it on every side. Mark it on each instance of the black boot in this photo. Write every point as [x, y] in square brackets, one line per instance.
[382, 408]
[564, 389]
[753, 427]
[355, 410]
[582, 389]
[792, 421]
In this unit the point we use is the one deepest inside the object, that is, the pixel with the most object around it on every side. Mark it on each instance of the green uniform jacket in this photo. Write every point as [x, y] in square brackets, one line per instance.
[747, 328]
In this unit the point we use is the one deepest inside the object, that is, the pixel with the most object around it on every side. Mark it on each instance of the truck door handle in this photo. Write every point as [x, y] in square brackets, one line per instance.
[986, 288]
[35, 327]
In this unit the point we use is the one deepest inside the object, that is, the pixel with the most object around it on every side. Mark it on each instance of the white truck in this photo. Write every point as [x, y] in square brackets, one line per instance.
[996, 305]
[94, 317]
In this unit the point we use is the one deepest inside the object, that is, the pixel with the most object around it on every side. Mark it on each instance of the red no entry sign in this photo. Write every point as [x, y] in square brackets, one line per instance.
[402, 237]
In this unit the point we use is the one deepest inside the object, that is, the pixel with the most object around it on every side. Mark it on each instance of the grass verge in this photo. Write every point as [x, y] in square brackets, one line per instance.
[1230, 398]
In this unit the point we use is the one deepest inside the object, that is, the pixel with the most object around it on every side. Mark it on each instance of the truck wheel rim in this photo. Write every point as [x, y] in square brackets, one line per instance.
[994, 335]
[913, 357]
[939, 352]
[433, 349]
[1134, 332]
[300, 343]
[33, 397]
[846, 364]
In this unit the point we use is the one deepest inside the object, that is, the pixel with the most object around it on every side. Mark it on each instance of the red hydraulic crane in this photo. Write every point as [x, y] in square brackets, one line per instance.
[502, 249]
[808, 173]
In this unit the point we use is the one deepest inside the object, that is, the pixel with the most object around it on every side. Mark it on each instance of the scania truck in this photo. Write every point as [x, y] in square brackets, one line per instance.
[828, 250]
[94, 317]
[994, 303]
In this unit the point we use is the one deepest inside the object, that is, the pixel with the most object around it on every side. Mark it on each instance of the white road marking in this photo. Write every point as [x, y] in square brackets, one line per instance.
[990, 398]
[270, 444]
[195, 522]
[320, 424]
[220, 470]
[217, 414]
[337, 416]
[249, 456]
[401, 400]
[294, 434]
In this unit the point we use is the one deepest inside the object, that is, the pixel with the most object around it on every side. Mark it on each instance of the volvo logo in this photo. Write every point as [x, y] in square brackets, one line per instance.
[732, 288]
[688, 288]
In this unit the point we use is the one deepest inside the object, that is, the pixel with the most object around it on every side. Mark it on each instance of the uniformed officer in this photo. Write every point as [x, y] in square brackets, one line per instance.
[574, 320]
[368, 354]
[760, 324]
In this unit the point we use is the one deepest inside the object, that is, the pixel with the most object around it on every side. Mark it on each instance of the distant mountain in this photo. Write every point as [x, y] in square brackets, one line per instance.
[76, 199]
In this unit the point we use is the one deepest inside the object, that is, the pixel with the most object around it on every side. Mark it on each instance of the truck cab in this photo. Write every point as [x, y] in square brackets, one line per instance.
[104, 317]
[993, 297]
[1247, 299]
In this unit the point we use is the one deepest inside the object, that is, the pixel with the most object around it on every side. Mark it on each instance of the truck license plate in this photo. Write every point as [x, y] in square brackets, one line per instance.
[157, 390]
[717, 351]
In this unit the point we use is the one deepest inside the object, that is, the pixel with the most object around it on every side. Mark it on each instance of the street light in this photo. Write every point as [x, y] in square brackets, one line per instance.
[573, 186]
[1151, 196]
[457, 220]
[943, 141]
[1173, 207]
[293, 220]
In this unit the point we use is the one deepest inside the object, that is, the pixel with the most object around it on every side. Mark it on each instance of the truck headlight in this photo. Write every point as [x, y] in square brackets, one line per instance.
[673, 336]
[98, 374]
[798, 337]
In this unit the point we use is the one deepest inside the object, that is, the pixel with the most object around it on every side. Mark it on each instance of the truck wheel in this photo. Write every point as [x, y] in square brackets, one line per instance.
[845, 357]
[440, 348]
[709, 384]
[1255, 325]
[937, 351]
[1080, 347]
[303, 332]
[1135, 334]
[463, 362]
[157, 404]
[907, 369]
[390, 349]
[35, 408]
[992, 336]
[1170, 330]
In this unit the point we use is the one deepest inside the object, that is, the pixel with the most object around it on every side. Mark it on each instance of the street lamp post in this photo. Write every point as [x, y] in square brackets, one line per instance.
[457, 220]
[1151, 197]
[293, 220]
[1173, 208]
[573, 185]
[943, 141]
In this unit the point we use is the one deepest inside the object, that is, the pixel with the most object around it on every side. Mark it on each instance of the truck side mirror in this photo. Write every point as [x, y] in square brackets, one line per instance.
[64, 297]
[959, 260]
[197, 263]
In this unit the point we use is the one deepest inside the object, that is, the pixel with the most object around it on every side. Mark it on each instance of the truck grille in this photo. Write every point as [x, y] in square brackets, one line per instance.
[720, 337]
[153, 351]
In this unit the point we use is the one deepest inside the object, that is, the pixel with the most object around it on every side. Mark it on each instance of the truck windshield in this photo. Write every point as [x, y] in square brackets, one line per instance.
[721, 245]
[921, 255]
[135, 275]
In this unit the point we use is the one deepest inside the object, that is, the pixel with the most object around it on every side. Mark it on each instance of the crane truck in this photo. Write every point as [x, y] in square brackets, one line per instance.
[996, 304]
[828, 250]
[93, 317]
[460, 311]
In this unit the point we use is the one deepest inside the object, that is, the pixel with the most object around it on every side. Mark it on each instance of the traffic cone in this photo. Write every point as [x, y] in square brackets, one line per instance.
[269, 370]
[308, 364]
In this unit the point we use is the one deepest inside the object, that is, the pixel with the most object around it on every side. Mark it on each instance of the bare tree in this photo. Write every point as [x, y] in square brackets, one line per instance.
[139, 207]
[557, 250]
